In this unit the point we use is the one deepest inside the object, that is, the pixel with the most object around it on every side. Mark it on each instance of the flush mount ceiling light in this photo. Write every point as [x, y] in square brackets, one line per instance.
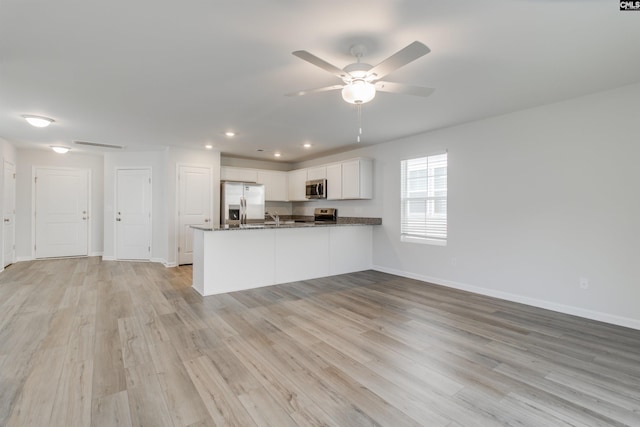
[38, 121]
[307, 145]
[230, 134]
[60, 149]
[276, 154]
[208, 146]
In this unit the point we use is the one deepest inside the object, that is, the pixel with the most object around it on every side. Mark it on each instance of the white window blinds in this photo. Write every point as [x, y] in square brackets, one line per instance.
[424, 199]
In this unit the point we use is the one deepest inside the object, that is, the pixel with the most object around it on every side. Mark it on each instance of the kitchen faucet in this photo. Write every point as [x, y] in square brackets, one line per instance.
[276, 218]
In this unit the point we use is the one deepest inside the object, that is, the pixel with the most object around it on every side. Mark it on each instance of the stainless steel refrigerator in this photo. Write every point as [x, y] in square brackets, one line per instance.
[241, 203]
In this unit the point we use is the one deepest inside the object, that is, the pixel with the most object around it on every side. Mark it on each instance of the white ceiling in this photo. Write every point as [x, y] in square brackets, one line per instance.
[150, 74]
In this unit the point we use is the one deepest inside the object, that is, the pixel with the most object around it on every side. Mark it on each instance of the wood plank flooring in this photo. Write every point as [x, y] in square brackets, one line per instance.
[91, 343]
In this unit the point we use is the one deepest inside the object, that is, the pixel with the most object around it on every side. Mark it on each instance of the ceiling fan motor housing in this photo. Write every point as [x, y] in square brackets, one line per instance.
[358, 71]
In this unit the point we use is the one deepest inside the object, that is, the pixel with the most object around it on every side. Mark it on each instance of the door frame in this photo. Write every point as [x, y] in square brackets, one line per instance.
[176, 223]
[33, 205]
[115, 209]
[4, 255]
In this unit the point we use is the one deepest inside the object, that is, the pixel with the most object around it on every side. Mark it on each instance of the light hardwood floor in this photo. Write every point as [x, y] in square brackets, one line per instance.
[85, 342]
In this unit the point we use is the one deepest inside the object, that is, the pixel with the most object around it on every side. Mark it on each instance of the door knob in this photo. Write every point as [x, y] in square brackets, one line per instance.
[6, 220]
[84, 218]
[118, 219]
[206, 220]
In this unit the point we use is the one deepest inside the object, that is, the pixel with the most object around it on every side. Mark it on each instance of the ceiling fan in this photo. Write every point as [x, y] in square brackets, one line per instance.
[361, 80]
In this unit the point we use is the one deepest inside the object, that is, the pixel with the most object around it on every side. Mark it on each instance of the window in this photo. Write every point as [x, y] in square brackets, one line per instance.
[424, 200]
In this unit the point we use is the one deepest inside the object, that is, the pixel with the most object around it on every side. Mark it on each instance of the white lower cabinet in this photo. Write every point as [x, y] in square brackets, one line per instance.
[228, 261]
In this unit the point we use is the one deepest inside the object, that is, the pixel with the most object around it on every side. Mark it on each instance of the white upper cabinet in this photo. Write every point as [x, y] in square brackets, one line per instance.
[357, 179]
[228, 173]
[350, 179]
[319, 172]
[297, 181]
[275, 185]
[334, 181]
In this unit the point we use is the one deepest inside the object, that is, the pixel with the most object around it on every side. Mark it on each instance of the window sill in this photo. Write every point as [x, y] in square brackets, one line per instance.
[423, 240]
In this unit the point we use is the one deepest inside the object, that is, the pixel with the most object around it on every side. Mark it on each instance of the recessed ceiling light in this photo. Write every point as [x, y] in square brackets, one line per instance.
[38, 121]
[260, 150]
[60, 149]
[307, 145]
[229, 134]
[208, 146]
[276, 154]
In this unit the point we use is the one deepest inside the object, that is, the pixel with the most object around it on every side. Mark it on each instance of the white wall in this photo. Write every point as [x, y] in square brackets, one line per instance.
[537, 200]
[26, 161]
[163, 166]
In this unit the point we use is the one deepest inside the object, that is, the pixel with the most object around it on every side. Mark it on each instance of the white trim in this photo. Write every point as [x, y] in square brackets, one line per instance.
[534, 302]
[163, 262]
[108, 258]
[96, 253]
[24, 258]
[422, 240]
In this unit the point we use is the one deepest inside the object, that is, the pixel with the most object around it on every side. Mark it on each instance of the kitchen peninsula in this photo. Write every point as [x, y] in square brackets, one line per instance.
[228, 259]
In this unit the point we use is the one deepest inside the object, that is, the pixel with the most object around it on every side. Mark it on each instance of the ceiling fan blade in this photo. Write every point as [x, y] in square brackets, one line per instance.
[403, 89]
[316, 90]
[303, 54]
[402, 57]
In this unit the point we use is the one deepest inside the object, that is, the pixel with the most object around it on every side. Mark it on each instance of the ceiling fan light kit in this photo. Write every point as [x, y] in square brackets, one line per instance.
[358, 92]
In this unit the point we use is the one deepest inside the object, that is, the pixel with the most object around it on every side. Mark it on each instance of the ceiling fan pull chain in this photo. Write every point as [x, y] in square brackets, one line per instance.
[359, 109]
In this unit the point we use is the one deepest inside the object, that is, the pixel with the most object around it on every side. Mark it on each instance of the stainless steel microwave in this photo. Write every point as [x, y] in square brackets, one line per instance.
[316, 189]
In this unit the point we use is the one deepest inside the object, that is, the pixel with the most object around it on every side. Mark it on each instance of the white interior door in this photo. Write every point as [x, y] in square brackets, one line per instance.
[9, 214]
[133, 214]
[61, 212]
[194, 207]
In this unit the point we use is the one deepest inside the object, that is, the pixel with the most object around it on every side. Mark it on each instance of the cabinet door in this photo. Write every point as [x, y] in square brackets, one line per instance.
[228, 173]
[297, 180]
[351, 179]
[275, 185]
[319, 172]
[357, 179]
[334, 181]
[279, 187]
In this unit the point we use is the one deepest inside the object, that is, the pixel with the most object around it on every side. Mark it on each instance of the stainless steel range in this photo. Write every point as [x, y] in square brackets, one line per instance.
[325, 215]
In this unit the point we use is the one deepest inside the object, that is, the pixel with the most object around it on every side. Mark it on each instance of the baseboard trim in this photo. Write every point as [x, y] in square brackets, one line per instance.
[24, 258]
[534, 302]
